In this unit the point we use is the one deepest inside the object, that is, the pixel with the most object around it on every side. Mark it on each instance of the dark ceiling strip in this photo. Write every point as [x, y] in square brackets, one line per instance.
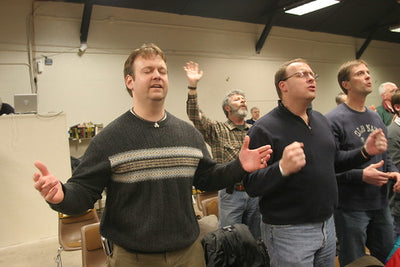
[366, 43]
[363, 47]
[267, 28]
[87, 12]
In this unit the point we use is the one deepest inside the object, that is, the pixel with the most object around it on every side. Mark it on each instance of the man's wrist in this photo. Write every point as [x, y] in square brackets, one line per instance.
[192, 87]
[281, 170]
[364, 153]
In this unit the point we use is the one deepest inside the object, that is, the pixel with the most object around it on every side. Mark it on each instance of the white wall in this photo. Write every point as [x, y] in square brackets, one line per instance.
[90, 87]
[26, 217]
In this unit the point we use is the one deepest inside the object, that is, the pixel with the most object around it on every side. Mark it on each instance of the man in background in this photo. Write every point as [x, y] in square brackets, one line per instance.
[5, 108]
[225, 140]
[394, 150]
[385, 110]
[363, 217]
[340, 98]
[255, 115]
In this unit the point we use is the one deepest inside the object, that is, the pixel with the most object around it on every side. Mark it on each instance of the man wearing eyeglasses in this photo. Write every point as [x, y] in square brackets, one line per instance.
[363, 217]
[298, 190]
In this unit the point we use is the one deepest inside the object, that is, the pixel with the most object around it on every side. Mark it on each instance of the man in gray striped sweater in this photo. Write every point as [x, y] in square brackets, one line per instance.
[147, 160]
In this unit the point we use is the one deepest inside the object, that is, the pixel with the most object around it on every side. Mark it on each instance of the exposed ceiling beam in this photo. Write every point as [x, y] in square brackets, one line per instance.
[267, 28]
[87, 12]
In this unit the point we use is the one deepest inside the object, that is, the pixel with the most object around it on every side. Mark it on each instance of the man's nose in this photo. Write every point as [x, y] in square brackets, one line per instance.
[156, 74]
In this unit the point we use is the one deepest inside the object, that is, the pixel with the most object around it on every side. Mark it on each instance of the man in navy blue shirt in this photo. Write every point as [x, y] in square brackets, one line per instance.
[363, 217]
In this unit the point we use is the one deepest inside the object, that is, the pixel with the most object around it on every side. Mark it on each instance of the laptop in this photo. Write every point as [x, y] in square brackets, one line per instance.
[25, 103]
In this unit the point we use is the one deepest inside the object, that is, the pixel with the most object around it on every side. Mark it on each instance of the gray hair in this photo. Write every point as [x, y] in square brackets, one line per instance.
[227, 99]
[382, 87]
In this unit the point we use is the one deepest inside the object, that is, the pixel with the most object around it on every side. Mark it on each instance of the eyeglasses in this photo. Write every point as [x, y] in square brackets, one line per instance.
[302, 74]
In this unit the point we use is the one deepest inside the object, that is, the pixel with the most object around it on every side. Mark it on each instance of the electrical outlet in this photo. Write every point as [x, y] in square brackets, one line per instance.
[48, 61]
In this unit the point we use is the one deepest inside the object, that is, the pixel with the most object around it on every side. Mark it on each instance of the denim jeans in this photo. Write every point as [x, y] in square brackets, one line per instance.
[396, 226]
[238, 207]
[359, 229]
[301, 245]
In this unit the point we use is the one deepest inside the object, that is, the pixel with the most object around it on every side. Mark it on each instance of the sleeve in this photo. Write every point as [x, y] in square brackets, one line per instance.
[394, 147]
[205, 125]
[263, 181]
[211, 176]
[86, 185]
[346, 161]
[389, 165]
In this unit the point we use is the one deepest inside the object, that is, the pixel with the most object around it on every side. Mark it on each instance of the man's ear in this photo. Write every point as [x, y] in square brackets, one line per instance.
[129, 82]
[227, 108]
[282, 86]
[345, 85]
[397, 108]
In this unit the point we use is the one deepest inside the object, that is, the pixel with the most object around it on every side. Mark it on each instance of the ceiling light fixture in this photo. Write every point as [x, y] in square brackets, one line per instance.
[309, 7]
[395, 28]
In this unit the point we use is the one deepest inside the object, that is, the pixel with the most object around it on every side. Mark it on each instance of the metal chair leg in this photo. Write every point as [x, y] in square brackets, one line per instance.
[58, 259]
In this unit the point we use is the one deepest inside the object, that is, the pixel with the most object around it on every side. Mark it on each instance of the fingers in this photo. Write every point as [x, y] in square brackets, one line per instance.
[376, 142]
[296, 151]
[43, 182]
[293, 158]
[191, 66]
[377, 165]
[373, 176]
[51, 193]
[376, 132]
[396, 187]
[42, 168]
[246, 142]
[264, 151]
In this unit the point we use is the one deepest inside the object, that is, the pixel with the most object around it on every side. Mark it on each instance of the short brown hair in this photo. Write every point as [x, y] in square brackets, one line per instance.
[345, 70]
[395, 100]
[146, 51]
[281, 74]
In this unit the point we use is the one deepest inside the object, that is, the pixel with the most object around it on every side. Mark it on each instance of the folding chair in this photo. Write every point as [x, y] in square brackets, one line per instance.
[69, 231]
[93, 254]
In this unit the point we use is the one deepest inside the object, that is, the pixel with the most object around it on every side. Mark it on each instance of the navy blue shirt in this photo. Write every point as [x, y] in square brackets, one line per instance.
[309, 195]
[351, 129]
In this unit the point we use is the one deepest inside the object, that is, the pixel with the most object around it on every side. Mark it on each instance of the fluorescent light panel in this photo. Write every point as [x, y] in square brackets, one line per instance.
[311, 7]
[395, 29]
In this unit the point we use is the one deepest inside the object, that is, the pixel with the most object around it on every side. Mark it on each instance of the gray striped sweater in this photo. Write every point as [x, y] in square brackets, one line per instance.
[148, 174]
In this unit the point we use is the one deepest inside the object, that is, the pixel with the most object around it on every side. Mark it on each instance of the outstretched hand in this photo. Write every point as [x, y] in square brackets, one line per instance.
[254, 159]
[193, 73]
[48, 185]
[376, 143]
[372, 175]
[395, 176]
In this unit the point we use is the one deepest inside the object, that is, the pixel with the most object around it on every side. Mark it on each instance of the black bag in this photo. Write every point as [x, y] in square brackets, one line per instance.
[234, 246]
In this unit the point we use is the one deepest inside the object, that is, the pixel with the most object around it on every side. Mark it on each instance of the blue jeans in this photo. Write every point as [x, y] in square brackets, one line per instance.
[238, 207]
[396, 226]
[359, 229]
[301, 245]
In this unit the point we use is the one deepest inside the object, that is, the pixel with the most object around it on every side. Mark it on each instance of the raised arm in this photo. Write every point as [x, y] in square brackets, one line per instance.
[193, 74]
[48, 186]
